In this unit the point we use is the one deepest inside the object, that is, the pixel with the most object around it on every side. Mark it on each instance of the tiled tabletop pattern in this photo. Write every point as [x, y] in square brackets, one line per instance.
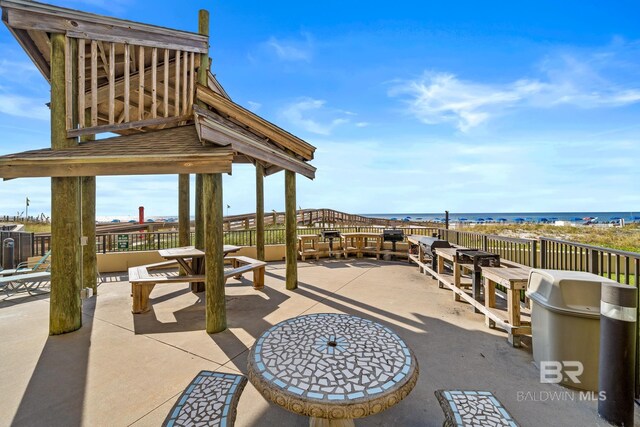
[473, 409]
[333, 359]
[209, 400]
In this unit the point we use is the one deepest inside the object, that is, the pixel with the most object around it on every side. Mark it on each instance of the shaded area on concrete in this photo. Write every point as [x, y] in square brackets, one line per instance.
[136, 365]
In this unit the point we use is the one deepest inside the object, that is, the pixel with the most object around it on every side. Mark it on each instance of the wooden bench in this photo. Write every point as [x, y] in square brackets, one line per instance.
[513, 280]
[243, 264]
[473, 408]
[211, 399]
[142, 283]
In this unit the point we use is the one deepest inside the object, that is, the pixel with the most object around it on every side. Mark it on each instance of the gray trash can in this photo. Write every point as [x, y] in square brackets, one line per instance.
[8, 246]
[565, 326]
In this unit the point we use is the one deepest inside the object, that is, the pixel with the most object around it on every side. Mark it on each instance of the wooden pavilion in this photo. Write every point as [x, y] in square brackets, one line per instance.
[153, 87]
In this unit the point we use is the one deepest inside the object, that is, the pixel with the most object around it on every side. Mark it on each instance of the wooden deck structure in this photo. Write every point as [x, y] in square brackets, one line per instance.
[153, 88]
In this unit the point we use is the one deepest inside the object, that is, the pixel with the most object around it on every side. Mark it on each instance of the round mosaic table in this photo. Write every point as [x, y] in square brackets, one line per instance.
[332, 367]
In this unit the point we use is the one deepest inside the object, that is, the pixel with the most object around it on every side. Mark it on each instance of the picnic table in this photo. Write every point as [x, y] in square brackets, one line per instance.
[192, 260]
[332, 368]
[361, 243]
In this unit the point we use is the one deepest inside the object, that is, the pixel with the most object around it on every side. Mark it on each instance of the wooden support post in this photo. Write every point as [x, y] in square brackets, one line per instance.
[88, 195]
[260, 211]
[65, 314]
[184, 219]
[203, 28]
[290, 230]
[216, 314]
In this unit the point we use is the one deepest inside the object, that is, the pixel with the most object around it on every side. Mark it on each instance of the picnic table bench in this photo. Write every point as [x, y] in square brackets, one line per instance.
[142, 282]
[361, 243]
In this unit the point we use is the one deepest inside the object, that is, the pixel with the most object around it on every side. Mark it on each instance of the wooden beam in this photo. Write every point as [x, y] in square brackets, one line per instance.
[154, 83]
[184, 217]
[65, 312]
[112, 78]
[57, 167]
[130, 125]
[165, 97]
[222, 132]
[127, 84]
[141, 83]
[94, 83]
[291, 240]
[35, 53]
[216, 310]
[185, 88]
[257, 123]
[260, 211]
[37, 16]
[176, 99]
[81, 82]
[89, 257]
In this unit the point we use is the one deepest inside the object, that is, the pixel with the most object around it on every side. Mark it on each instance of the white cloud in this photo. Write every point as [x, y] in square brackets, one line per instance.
[254, 106]
[291, 50]
[362, 124]
[323, 122]
[22, 106]
[440, 97]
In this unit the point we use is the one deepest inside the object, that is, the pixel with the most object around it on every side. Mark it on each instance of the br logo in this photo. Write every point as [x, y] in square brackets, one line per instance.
[554, 372]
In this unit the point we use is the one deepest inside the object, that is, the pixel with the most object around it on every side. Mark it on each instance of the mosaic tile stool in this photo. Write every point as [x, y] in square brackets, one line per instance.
[473, 409]
[209, 400]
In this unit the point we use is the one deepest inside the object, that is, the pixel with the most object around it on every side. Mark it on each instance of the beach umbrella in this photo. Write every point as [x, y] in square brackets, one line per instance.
[502, 219]
[488, 218]
[553, 218]
[518, 219]
[480, 219]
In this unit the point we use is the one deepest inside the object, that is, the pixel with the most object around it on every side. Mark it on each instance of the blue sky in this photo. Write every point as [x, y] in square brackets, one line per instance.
[413, 107]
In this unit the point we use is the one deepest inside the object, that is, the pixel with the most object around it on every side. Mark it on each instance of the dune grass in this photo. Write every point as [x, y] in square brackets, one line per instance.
[625, 238]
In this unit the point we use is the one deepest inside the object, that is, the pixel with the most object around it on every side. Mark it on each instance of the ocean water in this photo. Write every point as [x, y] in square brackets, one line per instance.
[533, 217]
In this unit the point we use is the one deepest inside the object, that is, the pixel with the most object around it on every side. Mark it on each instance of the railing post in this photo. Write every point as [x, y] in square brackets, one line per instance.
[533, 256]
[593, 261]
[104, 243]
[485, 242]
[543, 253]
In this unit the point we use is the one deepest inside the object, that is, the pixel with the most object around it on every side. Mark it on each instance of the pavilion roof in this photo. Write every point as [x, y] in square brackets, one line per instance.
[171, 151]
[139, 81]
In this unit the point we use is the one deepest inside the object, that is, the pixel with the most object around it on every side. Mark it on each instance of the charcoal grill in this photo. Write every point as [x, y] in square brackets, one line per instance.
[429, 246]
[479, 259]
[330, 235]
[393, 236]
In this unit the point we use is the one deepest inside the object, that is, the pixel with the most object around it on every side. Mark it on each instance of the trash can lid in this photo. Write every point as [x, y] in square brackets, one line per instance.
[573, 293]
[620, 295]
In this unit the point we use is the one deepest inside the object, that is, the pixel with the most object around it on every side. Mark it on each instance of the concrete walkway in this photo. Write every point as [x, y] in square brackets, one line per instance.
[122, 369]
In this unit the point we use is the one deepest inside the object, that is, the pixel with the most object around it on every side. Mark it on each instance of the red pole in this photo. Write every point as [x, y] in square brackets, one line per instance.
[141, 214]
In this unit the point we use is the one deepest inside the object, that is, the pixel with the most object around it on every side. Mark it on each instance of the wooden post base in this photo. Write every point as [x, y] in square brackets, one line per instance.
[141, 294]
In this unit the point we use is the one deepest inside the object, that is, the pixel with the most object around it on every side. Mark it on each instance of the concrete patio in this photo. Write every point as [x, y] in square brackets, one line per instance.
[122, 369]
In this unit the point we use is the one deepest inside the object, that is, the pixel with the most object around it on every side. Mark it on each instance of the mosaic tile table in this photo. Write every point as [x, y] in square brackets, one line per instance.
[473, 409]
[332, 367]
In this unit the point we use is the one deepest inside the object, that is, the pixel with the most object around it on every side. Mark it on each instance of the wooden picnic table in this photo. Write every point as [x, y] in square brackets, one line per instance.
[361, 243]
[308, 246]
[192, 260]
